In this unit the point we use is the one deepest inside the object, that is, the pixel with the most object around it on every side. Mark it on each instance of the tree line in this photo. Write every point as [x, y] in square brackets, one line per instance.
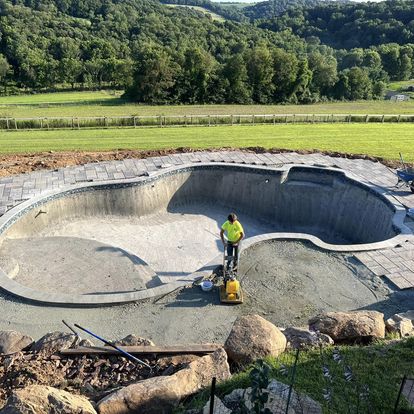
[160, 54]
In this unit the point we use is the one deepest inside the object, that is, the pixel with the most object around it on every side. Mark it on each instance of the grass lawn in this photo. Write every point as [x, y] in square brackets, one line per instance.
[60, 98]
[376, 373]
[108, 103]
[382, 140]
[399, 85]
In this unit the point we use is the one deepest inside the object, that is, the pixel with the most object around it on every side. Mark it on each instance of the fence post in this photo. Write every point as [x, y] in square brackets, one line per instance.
[212, 392]
[382, 120]
[41, 123]
[399, 116]
[78, 123]
[253, 119]
[366, 118]
[7, 123]
[15, 124]
[294, 118]
[292, 380]
[349, 119]
[73, 122]
[397, 402]
[231, 119]
[274, 119]
[185, 120]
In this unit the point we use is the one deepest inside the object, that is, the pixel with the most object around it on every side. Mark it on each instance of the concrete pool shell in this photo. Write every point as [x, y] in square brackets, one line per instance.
[322, 205]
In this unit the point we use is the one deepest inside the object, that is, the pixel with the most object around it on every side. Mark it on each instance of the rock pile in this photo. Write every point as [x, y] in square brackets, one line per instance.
[34, 374]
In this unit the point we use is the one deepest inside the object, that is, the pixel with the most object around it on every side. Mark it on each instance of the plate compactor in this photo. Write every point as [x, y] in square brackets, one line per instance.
[230, 290]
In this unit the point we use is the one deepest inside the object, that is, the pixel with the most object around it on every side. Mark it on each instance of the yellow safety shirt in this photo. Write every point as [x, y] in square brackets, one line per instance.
[233, 230]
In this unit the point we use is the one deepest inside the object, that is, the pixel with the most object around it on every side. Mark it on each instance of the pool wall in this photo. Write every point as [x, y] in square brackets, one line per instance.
[322, 205]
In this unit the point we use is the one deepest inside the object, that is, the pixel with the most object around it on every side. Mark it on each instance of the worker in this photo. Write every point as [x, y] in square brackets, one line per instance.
[235, 234]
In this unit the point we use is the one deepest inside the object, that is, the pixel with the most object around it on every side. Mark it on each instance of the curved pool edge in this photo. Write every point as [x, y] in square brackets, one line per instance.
[16, 289]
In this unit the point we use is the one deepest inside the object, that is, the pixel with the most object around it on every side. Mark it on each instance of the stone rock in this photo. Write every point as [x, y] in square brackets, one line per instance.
[53, 342]
[277, 400]
[299, 338]
[350, 326]
[86, 342]
[401, 323]
[219, 407]
[235, 396]
[159, 395]
[253, 337]
[13, 341]
[39, 399]
[300, 403]
[133, 340]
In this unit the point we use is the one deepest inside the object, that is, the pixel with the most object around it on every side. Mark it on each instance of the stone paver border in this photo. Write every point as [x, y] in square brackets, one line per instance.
[13, 214]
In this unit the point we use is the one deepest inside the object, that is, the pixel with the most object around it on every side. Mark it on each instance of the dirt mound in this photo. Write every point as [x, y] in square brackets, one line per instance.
[11, 164]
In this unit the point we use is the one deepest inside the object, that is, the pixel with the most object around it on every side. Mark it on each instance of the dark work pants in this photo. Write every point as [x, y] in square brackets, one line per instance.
[233, 250]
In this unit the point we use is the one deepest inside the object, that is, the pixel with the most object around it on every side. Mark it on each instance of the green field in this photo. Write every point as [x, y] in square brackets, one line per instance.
[61, 98]
[382, 140]
[117, 107]
[400, 85]
[203, 10]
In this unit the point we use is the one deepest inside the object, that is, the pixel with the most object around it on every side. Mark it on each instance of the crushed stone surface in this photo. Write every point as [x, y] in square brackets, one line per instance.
[286, 282]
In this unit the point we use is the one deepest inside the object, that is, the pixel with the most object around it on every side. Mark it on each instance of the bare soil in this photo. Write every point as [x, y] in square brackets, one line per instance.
[12, 164]
[91, 376]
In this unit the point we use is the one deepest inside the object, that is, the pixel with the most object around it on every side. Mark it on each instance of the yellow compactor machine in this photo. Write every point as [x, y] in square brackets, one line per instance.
[230, 290]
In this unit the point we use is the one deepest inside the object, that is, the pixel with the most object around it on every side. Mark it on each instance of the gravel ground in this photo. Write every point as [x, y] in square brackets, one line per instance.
[287, 282]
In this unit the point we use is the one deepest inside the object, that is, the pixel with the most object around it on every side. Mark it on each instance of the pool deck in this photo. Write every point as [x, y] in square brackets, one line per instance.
[396, 264]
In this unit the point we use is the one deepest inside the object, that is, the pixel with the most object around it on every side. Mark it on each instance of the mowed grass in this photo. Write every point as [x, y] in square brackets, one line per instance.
[60, 98]
[109, 103]
[400, 85]
[382, 140]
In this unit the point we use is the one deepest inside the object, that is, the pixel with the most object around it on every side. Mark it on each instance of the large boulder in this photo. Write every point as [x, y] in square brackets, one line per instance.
[300, 338]
[53, 342]
[159, 395]
[39, 399]
[13, 341]
[350, 326]
[401, 323]
[133, 340]
[253, 337]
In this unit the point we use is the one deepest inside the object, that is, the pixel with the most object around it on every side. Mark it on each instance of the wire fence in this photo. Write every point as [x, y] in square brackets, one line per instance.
[162, 121]
[340, 385]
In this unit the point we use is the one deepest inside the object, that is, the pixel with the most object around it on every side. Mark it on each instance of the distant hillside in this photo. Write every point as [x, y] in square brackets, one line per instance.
[349, 25]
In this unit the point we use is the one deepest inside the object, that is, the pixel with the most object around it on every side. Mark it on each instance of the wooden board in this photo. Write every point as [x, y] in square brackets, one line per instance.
[142, 350]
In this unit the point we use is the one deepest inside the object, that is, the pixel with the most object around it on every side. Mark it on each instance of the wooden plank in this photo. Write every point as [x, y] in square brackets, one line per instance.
[143, 350]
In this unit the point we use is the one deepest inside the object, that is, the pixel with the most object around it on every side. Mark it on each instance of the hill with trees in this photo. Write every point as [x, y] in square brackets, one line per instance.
[161, 54]
[348, 25]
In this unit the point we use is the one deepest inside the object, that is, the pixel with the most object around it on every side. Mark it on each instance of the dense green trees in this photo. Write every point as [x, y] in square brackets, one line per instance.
[163, 54]
[345, 25]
